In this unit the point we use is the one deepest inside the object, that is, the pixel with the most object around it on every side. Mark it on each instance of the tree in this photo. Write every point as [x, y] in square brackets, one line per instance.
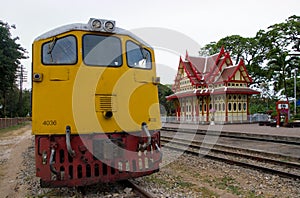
[281, 61]
[12, 107]
[165, 105]
[268, 56]
[239, 47]
[10, 55]
[209, 49]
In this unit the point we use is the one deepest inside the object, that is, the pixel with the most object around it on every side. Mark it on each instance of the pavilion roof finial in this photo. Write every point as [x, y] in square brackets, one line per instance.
[186, 55]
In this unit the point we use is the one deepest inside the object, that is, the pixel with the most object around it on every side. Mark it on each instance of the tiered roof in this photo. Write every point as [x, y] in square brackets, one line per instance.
[211, 70]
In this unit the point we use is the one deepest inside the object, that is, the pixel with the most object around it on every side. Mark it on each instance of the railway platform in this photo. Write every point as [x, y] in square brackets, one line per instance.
[284, 134]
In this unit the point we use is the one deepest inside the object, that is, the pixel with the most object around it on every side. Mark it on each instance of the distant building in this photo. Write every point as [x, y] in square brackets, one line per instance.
[211, 88]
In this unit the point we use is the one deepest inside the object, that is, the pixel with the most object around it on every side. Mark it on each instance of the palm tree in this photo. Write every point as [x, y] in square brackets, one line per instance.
[280, 68]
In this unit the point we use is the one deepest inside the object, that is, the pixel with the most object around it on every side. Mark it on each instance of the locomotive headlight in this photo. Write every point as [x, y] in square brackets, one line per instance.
[102, 25]
[96, 24]
[109, 26]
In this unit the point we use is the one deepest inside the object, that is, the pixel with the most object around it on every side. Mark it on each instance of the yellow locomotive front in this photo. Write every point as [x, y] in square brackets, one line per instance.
[95, 109]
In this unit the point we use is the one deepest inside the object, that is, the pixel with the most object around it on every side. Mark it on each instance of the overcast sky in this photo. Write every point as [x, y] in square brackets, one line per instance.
[197, 20]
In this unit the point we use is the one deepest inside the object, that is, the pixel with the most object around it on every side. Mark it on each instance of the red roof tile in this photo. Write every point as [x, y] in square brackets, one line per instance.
[209, 70]
[204, 64]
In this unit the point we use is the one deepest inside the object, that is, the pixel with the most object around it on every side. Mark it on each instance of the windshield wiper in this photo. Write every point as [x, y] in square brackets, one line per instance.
[145, 55]
[51, 45]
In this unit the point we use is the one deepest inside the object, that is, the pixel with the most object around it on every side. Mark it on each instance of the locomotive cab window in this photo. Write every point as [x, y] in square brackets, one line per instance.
[99, 50]
[137, 56]
[60, 51]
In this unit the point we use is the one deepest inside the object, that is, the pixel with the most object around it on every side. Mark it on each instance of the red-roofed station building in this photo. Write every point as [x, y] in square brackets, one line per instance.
[212, 88]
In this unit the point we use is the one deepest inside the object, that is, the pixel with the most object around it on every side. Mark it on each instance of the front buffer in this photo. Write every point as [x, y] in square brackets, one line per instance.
[80, 160]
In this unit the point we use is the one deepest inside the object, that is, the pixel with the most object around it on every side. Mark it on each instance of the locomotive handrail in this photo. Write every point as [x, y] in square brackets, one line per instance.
[161, 154]
[145, 130]
[51, 161]
[68, 142]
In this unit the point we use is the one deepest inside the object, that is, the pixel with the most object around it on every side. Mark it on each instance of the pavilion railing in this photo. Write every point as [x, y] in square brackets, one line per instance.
[217, 119]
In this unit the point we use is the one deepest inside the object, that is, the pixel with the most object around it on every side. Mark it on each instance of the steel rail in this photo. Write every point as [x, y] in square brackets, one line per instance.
[233, 134]
[230, 161]
[222, 149]
[138, 190]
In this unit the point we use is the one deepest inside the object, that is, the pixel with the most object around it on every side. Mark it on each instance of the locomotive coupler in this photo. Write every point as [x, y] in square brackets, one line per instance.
[68, 142]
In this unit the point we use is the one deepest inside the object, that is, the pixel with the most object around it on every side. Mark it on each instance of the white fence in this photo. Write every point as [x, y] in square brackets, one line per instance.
[217, 119]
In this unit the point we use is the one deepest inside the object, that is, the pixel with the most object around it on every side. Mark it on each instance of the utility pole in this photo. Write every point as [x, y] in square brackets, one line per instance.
[295, 91]
[296, 48]
[22, 78]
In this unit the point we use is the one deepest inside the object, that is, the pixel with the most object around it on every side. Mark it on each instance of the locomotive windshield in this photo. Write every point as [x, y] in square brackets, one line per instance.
[60, 51]
[137, 56]
[101, 50]
[97, 50]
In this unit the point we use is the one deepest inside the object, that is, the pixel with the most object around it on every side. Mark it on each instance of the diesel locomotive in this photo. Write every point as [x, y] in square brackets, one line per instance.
[95, 108]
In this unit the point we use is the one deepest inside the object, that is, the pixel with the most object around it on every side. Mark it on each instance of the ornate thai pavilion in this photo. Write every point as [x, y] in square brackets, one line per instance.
[211, 88]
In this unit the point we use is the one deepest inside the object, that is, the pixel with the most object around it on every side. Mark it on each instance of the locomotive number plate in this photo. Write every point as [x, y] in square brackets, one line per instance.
[49, 122]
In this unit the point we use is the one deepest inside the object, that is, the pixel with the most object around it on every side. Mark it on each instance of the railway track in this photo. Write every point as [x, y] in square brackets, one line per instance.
[130, 189]
[138, 190]
[286, 151]
[242, 157]
[238, 135]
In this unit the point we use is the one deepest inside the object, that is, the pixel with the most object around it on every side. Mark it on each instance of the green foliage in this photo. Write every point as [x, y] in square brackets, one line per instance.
[15, 127]
[229, 184]
[247, 49]
[166, 107]
[296, 117]
[283, 38]
[10, 55]
[16, 106]
[269, 56]
[262, 105]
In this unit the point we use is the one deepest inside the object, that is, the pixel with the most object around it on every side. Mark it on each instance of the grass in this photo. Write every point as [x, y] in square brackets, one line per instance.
[184, 184]
[253, 195]
[157, 180]
[225, 183]
[229, 184]
[5, 130]
[206, 193]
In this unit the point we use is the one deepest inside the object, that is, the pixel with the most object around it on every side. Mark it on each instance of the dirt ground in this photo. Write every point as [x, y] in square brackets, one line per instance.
[12, 145]
[188, 176]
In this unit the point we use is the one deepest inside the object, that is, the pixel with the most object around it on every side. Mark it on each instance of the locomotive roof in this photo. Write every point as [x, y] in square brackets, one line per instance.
[86, 27]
